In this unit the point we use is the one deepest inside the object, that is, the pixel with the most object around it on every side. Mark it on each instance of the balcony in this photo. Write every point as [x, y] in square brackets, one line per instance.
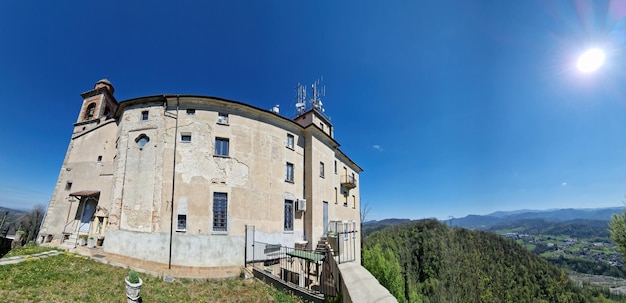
[348, 182]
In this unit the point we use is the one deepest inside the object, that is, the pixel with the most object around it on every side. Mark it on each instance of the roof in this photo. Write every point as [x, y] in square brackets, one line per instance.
[85, 193]
[307, 255]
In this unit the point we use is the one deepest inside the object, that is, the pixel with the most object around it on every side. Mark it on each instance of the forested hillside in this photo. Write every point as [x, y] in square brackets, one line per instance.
[425, 261]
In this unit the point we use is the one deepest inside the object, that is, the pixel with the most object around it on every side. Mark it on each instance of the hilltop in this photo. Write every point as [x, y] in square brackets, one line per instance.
[428, 261]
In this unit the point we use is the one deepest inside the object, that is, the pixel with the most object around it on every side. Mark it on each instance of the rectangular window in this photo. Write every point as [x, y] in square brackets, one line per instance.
[290, 141]
[181, 224]
[220, 212]
[221, 147]
[185, 137]
[289, 174]
[99, 158]
[353, 201]
[335, 167]
[68, 185]
[336, 196]
[322, 169]
[345, 199]
[144, 115]
[191, 111]
[222, 118]
[288, 223]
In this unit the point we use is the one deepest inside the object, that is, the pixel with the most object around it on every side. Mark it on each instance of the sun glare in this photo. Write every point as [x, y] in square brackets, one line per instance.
[591, 60]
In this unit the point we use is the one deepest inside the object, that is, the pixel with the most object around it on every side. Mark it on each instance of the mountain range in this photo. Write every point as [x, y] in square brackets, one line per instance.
[500, 217]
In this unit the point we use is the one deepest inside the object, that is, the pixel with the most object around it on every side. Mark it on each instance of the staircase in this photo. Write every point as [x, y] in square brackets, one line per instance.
[322, 245]
[71, 241]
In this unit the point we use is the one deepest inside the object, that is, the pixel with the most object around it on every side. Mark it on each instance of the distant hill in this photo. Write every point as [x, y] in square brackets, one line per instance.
[372, 226]
[12, 216]
[427, 261]
[496, 220]
[578, 228]
[554, 215]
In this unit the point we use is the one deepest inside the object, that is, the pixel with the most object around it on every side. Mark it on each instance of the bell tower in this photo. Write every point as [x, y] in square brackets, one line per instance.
[98, 103]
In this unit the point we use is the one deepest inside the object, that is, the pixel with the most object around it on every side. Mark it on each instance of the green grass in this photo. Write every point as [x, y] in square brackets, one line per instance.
[28, 249]
[71, 278]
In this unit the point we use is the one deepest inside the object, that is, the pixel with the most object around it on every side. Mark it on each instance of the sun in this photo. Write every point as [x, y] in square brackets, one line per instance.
[591, 60]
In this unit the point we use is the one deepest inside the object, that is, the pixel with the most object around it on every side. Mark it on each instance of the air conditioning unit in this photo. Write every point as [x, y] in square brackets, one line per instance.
[301, 204]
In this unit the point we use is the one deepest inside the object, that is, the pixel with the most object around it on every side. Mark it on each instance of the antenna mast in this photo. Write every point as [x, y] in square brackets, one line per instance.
[300, 99]
[319, 91]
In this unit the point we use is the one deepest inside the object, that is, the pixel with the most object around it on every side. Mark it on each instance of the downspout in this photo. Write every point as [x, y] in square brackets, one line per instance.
[169, 264]
[304, 158]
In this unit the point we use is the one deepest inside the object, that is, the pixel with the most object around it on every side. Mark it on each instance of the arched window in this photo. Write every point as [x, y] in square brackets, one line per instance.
[91, 109]
[142, 140]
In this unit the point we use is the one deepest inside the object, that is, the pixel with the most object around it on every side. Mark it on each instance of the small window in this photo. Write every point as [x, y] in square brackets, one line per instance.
[142, 140]
[335, 167]
[144, 115]
[322, 125]
[185, 137]
[222, 118]
[321, 169]
[353, 201]
[290, 139]
[336, 196]
[221, 147]
[220, 212]
[99, 159]
[91, 109]
[345, 199]
[68, 185]
[191, 111]
[289, 173]
[288, 216]
[182, 223]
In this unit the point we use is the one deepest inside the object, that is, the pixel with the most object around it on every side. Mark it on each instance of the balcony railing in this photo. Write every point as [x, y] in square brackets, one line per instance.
[348, 181]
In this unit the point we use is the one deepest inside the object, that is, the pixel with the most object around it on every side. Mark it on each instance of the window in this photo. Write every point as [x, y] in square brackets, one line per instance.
[345, 199]
[144, 115]
[99, 158]
[221, 147]
[222, 118]
[289, 175]
[91, 109]
[68, 185]
[288, 223]
[181, 224]
[322, 169]
[353, 201]
[191, 111]
[220, 212]
[336, 196]
[185, 137]
[290, 141]
[142, 140]
[335, 167]
[322, 125]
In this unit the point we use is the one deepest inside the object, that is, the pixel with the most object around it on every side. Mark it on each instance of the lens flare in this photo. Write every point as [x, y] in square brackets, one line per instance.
[591, 60]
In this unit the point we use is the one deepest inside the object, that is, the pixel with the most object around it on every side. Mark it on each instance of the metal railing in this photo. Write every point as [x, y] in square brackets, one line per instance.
[342, 239]
[306, 270]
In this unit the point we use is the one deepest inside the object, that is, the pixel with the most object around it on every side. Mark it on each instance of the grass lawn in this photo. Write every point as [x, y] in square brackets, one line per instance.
[72, 278]
[28, 249]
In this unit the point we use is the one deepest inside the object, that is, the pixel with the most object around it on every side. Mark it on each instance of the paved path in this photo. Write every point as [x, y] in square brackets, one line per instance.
[18, 259]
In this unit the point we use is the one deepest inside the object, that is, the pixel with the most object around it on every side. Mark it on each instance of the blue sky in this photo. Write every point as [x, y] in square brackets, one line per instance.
[451, 107]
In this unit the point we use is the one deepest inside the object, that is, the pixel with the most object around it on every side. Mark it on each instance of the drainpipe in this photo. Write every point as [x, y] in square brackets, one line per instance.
[304, 159]
[169, 264]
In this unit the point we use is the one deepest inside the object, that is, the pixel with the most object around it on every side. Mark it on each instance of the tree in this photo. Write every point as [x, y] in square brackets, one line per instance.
[30, 223]
[617, 230]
